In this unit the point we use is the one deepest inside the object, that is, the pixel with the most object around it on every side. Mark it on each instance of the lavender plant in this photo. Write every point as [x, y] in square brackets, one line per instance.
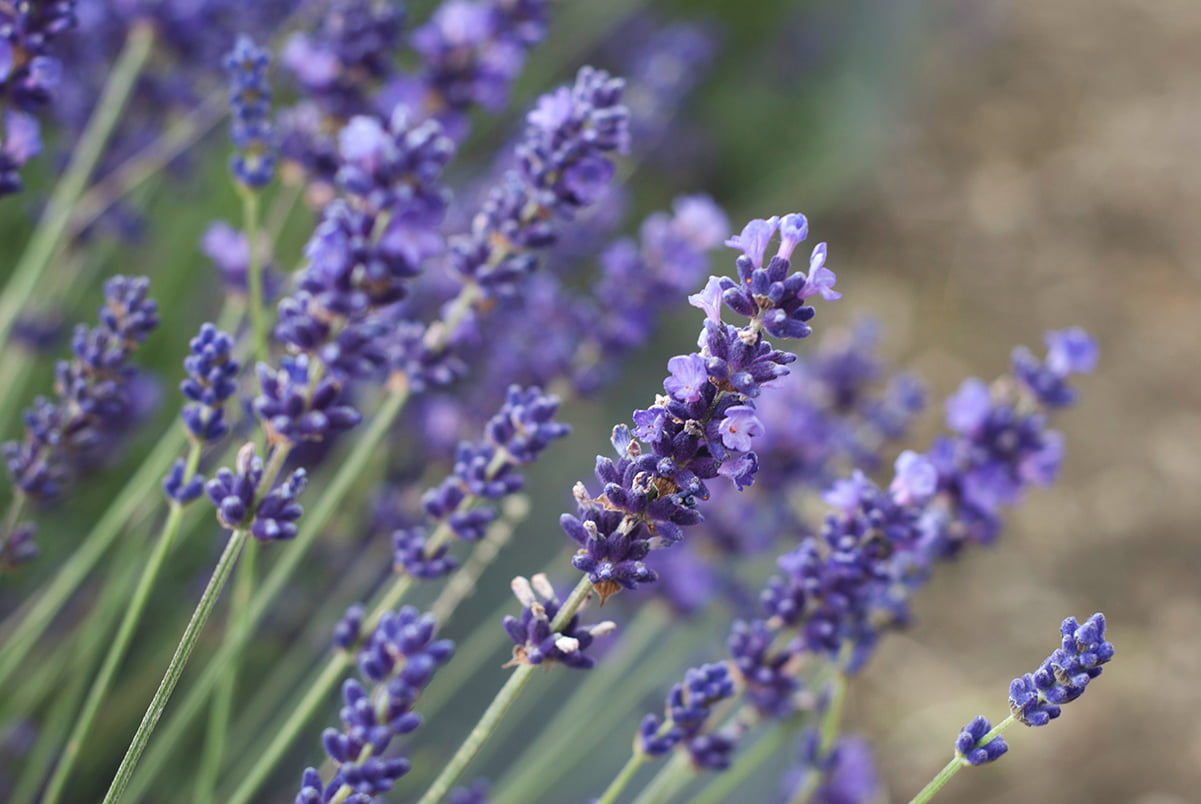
[370, 426]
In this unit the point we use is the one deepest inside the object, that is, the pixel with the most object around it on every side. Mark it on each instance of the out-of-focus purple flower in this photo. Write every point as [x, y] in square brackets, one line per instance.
[686, 716]
[475, 793]
[486, 472]
[848, 772]
[531, 633]
[563, 166]
[250, 123]
[29, 76]
[97, 396]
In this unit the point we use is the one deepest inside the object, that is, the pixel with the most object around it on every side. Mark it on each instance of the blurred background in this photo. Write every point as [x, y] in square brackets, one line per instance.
[982, 172]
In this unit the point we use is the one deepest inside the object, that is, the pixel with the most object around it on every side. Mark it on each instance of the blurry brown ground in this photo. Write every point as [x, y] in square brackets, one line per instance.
[1046, 173]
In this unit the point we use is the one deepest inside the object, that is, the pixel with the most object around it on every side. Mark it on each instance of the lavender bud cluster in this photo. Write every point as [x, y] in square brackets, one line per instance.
[250, 126]
[397, 661]
[96, 392]
[29, 75]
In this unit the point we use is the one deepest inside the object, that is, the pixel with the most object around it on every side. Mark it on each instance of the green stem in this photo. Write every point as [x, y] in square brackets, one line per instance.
[254, 274]
[668, 781]
[957, 764]
[68, 677]
[233, 547]
[190, 635]
[26, 626]
[500, 704]
[222, 707]
[299, 715]
[624, 777]
[28, 274]
[311, 526]
[116, 652]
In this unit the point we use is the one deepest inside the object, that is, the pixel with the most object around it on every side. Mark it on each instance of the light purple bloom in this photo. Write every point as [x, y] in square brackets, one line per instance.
[709, 299]
[739, 426]
[22, 136]
[968, 408]
[846, 493]
[794, 228]
[648, 424]
[821, 279]
[688, 377]
[699, 221]
[552, 111]
[916, 478]
[754, 238]
[363, 141]
[1071, 351]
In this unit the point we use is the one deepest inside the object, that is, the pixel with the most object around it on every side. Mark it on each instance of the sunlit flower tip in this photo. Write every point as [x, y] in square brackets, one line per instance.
[916, 478]
[967, 746]
[567, 644]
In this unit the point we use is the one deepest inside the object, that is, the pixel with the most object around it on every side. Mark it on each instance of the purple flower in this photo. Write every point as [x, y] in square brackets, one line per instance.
[1036, 698]
[250, 126]
[739, 426]
[754, 239]
[969, 407]
[242, 505]
[916, 478]
[535, 642]
[968, 746]
[688, 377]
[397, 661]
[211, 381]
[709, 299]
[821, 279]
[1071, 351]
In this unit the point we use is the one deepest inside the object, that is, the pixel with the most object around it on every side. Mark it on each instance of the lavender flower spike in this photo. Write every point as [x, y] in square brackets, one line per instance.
[1036, 698]
[397, 661]
[688, 708]
[705, 425]
[29, 76]
[250, 126]
[271, 518]
[968, 748]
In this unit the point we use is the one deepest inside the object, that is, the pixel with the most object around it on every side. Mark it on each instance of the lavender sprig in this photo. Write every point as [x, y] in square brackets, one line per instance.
[29, 75]
[1035, 699]
[96, 396]
[250, 127]
[397, 661]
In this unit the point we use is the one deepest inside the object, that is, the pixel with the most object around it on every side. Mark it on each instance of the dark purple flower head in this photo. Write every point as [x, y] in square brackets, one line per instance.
[397, 660]
[179, 491]
[1036, 698]
[29, 76]
[969, 749]
[294, 406]
[1070, 351]
[211, 381]
[686, 714]
[532, 635]
[98, 392]
[250, 123]
[242, 505]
